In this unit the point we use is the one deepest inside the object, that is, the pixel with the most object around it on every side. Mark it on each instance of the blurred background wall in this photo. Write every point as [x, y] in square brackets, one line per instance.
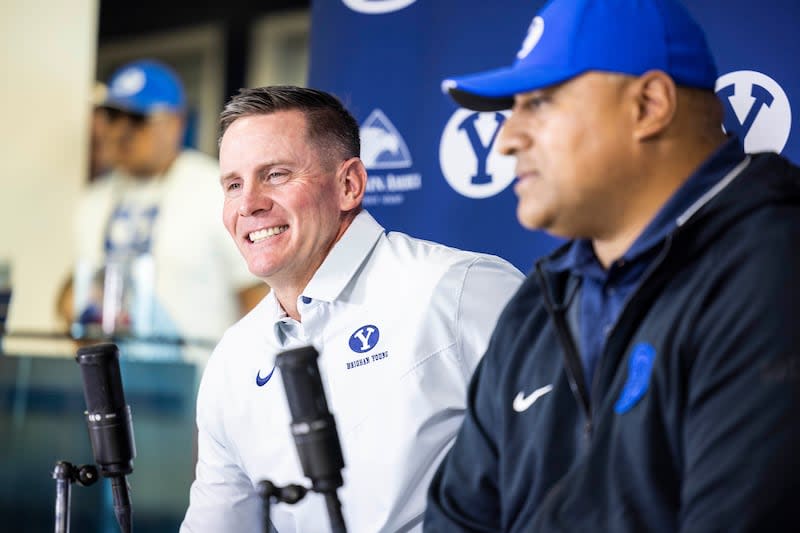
[54, 52]
[48, 63]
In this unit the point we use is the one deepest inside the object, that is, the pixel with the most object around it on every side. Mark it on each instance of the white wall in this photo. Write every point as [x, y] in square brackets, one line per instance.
[47, 64]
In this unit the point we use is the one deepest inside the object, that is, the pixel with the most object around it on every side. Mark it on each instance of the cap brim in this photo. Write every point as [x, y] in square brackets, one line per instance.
[135, 108]
[494, 90]
[123, 105]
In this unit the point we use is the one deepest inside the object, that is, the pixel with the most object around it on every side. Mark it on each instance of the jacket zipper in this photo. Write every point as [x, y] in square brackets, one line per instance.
[572, 359]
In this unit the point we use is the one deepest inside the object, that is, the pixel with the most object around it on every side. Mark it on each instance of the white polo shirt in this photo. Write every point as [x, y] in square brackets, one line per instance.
[400, 325]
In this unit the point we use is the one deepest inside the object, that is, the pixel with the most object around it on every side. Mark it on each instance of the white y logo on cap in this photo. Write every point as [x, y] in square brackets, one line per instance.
[535, 32]
[128, 83]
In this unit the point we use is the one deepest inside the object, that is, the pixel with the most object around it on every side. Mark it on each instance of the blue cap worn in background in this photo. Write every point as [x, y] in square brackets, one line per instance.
[570, 37]
[145, 87]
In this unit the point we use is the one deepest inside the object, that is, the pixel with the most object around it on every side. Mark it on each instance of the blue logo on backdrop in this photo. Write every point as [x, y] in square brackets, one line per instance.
[640, 367]
[263, 381]
[364, 338]
[381, 145]
[467, 157]
[383, 148]
[756, 109]
[481, 150]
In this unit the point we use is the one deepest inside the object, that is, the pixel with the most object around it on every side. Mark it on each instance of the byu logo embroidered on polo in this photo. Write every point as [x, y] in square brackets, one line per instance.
[364, 338]
[640, 367]
[756, 109]
[535, 32]
[466, 156]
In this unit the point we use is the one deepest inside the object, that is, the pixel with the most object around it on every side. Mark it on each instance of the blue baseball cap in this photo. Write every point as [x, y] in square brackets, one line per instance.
[145, 87]
[570, 37]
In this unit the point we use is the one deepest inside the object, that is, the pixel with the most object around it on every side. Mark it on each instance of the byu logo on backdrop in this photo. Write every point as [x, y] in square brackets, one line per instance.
[382, 146]
[756, 109]
[364, 338]
[467, 157]
[377, 7]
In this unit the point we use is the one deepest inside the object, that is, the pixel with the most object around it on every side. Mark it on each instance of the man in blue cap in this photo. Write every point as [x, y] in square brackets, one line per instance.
[646, 376]
[152, 225]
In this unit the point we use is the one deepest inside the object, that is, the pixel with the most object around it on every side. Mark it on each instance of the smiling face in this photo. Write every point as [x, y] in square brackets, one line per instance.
[287, 199]
[571, 150]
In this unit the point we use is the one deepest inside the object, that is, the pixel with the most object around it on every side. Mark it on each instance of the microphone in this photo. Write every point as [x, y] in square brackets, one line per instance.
[109, 422]
[313, 427]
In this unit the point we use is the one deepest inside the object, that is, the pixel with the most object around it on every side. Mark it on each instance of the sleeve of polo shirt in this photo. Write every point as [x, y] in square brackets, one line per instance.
[222, 499]
[464, 494]
[489, 282]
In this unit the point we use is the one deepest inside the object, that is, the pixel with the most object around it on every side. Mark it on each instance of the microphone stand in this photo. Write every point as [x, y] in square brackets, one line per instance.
[65, 474]
[292, 494]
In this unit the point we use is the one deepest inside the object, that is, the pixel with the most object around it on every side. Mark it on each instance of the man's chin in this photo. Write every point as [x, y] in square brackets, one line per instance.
[261, 270]
[532, 219]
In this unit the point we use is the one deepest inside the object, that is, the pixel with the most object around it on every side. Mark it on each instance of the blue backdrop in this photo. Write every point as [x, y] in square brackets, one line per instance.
[432, 172]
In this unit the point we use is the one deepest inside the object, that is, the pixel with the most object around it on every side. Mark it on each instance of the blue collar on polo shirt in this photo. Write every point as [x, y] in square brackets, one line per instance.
[603, 292]
[580, 258]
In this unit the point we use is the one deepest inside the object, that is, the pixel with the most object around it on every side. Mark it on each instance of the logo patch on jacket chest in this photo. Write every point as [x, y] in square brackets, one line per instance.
[640, 367]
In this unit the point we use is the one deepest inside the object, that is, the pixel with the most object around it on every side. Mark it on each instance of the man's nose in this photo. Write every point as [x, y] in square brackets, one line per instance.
[253, 200]
[511, 138]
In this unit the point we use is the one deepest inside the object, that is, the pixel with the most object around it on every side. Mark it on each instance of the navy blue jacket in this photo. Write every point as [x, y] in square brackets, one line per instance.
[694, 417]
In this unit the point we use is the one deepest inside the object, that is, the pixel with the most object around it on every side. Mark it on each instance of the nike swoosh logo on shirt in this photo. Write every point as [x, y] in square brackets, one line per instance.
[263, 381]
[522, 402]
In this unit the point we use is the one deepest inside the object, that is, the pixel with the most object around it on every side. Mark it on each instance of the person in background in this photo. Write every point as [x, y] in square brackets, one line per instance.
[102, 144]
[400, 324]
[149, 229]
[101, 159]
[645, 376]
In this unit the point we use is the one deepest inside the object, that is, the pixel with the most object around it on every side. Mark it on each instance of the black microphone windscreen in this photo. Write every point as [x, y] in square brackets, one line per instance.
[303, 383]
[102, 380]
[313, 426]
[108, 418]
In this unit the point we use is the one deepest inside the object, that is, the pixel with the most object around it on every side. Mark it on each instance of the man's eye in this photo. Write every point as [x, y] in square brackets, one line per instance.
[535, 102]
[233, 186]
[277, 177]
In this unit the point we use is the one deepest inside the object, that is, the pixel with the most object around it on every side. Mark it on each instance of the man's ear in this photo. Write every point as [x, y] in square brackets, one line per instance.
[352, 177]
[656, 101]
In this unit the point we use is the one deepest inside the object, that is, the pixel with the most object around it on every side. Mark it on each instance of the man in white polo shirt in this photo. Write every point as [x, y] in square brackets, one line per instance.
[400, 324]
